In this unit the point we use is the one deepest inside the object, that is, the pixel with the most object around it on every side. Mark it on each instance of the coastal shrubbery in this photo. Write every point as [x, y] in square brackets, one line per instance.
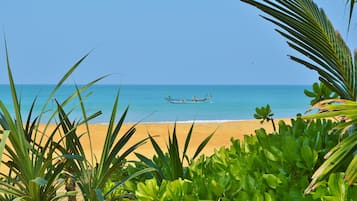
[275, 166]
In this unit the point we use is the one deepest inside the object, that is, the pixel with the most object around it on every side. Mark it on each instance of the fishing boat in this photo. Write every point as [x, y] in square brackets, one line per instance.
[189, 101]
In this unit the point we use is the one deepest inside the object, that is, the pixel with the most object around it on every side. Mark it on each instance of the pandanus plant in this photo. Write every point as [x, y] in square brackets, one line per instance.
[29, 154]
[40, 165]
[92, 176]
[309, 31]
[170, 165]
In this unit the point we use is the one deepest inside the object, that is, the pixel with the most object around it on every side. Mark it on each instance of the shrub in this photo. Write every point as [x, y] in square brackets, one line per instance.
[265, 166]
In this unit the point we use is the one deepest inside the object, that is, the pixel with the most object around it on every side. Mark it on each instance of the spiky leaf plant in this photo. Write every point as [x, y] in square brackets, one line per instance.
[38, 163]
[170, 165]
[29, 153]
[92, 176]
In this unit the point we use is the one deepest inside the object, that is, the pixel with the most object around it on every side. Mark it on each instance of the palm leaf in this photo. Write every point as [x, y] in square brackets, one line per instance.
[310, 32]
[335, 157]
[335, 108]
[351, 171]
[347, 110]
[352, 3]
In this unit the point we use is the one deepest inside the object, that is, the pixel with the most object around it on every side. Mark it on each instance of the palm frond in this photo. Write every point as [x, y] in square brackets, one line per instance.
[310, 32]
[351, 5]
[346, 112]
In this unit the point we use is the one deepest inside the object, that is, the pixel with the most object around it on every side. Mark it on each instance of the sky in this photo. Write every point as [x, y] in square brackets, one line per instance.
[152, 42]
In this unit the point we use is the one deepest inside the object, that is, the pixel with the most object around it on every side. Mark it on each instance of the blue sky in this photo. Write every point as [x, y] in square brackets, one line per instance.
[151, 42]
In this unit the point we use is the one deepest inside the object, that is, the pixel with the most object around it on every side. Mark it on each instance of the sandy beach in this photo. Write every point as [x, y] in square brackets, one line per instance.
[223, 132]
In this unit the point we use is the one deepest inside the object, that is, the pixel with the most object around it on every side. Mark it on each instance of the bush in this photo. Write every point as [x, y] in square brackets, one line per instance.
[265, 166]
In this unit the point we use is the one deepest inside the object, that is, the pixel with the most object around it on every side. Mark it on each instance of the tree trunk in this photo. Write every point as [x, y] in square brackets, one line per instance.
[272, 121]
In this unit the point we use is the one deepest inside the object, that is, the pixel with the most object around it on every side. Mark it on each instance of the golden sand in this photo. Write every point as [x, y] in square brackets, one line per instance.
[223, 132]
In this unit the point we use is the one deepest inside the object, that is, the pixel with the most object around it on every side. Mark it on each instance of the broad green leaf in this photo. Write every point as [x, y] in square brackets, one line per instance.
[269, 155]
[148, 190]
[272, 180]
[308, 155]
[268, 197]
[129, 177]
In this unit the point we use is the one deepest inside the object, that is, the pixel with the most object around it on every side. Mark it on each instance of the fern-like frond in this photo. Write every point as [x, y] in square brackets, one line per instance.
[310, 32]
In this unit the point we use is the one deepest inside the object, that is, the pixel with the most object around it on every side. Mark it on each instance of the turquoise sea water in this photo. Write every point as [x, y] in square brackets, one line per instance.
[147, 102]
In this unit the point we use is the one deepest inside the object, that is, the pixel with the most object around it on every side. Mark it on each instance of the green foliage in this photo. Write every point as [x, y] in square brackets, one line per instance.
[264, 114]
[35, 169]
[310, 32]
[92, 178]
[351, 4]
[319, 93]
[265, 166]
[170, 165]
[168, 190]
[335, 189]
[344, 151]
[39, 166]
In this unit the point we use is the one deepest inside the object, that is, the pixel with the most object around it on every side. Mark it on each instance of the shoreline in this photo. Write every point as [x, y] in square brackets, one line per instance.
[193, 121]
[223, 132]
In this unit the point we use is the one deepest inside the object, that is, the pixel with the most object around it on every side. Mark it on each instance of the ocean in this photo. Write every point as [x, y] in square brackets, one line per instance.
[147, 103]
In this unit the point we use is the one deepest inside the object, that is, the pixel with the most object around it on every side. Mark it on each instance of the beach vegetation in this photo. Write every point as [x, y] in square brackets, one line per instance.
[35, 170]
[345, 152]
[263, 114]
[46, 163]
[319, 93]
[322, 49]
[264, 166]
[172, 165]
[92, 177]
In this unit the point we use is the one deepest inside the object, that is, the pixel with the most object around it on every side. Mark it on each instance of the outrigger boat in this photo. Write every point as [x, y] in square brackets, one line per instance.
[189, 101]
